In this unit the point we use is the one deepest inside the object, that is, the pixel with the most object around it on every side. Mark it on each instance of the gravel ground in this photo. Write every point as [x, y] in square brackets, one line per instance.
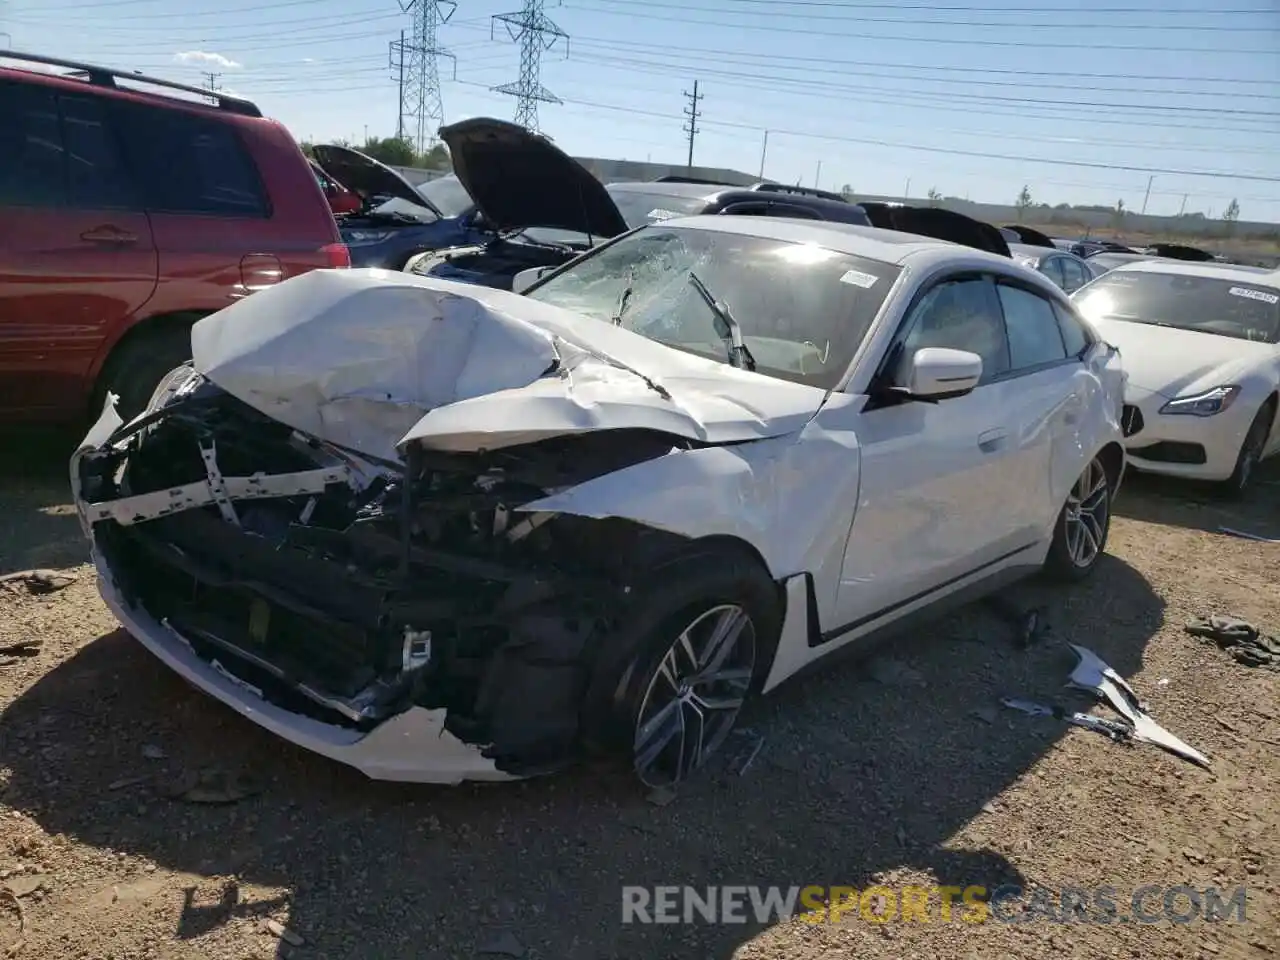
[866, 776]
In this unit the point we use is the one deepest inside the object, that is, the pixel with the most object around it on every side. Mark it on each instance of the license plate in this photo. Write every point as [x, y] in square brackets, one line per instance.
[259, 620]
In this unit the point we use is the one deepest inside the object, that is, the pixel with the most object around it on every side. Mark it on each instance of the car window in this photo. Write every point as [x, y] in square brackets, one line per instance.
[960, 315]
[1034, 337]
[639, 207]
[31, 153]
[1219, 305]
[96, 175]
[1074, 274]
[1051, 267]
[1074, 336]
[190, 164]
[802, 309]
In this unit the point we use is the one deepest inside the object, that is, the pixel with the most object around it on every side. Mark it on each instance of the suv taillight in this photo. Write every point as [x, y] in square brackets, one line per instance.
[337, 254]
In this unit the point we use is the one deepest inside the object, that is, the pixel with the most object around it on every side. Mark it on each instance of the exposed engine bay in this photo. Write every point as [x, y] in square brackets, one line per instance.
[495, 264]
[350, 590]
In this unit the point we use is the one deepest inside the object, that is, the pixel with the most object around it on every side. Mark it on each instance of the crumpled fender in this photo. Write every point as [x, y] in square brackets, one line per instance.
[791, 498]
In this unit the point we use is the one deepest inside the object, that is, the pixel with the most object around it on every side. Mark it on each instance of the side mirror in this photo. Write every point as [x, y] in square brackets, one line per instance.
[939, 373]
[527, 278]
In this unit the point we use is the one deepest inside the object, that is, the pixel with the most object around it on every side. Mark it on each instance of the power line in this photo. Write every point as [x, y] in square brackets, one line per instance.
[974, 103]
[1053, 44]
[975, 9]
[701, 54]
[692, 112]
[1085, 164]
[1076, 24]
[535, 32]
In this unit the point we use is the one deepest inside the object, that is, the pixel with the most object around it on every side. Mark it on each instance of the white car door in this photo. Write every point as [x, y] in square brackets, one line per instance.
[1045, 386]
[936, 478]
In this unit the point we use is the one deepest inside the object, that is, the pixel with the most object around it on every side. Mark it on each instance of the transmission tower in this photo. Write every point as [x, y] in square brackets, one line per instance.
[212, 79]
[693, 113]
[535, 32]
[415, 63]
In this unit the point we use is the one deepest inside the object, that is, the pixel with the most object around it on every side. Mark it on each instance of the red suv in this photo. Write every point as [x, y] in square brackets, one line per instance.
[126, 215]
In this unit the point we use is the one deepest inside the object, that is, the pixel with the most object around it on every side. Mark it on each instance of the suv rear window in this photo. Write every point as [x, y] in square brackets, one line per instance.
[190, 164]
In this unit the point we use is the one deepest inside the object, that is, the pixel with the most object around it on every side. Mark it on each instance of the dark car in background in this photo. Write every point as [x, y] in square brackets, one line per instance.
[130, 207]
[397, 220]
[651, 201]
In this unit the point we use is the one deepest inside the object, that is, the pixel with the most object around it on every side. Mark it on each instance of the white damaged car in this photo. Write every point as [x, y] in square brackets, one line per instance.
[442, 532]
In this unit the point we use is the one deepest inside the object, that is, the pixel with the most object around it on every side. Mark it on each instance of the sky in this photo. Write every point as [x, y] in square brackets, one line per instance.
[1088, 103]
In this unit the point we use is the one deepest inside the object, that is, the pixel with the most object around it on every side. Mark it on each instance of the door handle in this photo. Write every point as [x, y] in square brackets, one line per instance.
[108, 234]
[992, 440]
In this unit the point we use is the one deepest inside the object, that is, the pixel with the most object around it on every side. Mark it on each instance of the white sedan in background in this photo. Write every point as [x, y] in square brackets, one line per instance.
[438, 531]
[1201, 344]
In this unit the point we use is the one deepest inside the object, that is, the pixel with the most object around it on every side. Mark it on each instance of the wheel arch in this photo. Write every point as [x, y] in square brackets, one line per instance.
[1113, 461]
[148, 326]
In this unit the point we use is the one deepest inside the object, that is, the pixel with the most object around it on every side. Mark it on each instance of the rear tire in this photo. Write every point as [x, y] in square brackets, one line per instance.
[138, 365]
[1255, 441]
[1080, 536]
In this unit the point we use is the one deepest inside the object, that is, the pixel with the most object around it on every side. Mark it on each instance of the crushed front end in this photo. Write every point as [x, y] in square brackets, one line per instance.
[398, 616]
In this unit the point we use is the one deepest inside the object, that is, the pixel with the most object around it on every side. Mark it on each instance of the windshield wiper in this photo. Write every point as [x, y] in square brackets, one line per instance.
[739, 355]
[623, 299]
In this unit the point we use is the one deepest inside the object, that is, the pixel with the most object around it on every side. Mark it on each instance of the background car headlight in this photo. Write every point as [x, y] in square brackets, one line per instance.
[1203, 404]
[360, 238]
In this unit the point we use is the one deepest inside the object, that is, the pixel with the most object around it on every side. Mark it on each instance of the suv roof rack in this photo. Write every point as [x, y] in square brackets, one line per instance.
[765, 187]
[106, 77]
[677, 178]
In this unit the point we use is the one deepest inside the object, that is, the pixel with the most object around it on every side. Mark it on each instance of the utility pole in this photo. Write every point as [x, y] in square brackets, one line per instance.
[906, 193]
[817, 175]
[1147, 196]
[212, 83]
[1183, 209]
[535, 32]
[418, 64]
[764, 148]
[692, 112]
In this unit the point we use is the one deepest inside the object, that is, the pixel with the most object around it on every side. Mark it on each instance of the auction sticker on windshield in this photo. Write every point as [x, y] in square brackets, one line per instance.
[1252, 294]
[859, 279]
[660, 214]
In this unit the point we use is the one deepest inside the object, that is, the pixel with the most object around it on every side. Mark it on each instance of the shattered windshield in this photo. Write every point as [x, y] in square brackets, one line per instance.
[801, 309]
[1228, 308]
[639, 207]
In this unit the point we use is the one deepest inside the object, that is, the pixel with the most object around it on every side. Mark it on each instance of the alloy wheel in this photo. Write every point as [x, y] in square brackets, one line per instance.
[1251, 454]
[694, 695]
[1086, 515]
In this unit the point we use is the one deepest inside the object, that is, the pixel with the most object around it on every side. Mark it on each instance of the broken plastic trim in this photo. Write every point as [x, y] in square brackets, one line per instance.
[1092, 673]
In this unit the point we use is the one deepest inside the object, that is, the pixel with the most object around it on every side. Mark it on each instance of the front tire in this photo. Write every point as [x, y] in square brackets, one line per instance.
[703, 636]
[1255, 441]
[1080, 536]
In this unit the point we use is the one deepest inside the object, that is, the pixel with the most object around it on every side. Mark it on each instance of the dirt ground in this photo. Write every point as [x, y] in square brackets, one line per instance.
[867, 775]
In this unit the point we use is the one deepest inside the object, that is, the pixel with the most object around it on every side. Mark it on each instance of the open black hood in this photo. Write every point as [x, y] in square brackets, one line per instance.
[937, 223]
[366, 176]
[1030, 236]
[520, 179]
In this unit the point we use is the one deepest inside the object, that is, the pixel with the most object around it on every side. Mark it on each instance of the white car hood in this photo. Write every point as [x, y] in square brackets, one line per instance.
[372, 359]
[1174, 362]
